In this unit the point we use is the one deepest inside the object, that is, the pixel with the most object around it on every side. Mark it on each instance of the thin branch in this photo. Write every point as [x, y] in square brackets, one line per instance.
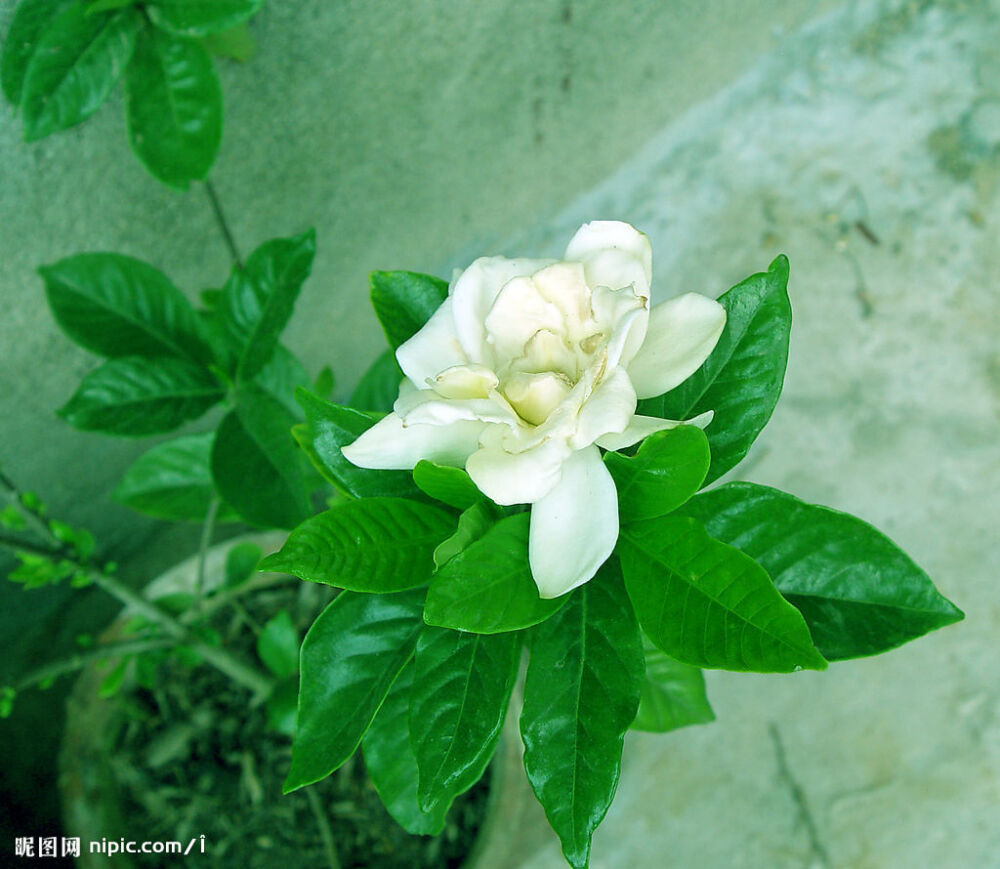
[89, 656]
[207, 529]
[819, 852]
[40, 525]
[220, 219]
[324, 829]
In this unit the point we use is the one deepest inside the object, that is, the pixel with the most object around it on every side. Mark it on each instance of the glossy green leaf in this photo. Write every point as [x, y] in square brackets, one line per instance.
[332, 426]
[173, 104]
[667, 470]
[325, 383]
[135, 396]
[373, 544]
[859, 593]
[201, 17]
[472, 524]
[672, 695]
[350, 658]
[487, 588]
[580, 696]
[241, 563]
[404, 301]
[281, 706]
[278, 645]
[115, 305]
[461, 687]
[235, 43]
[742, 379]
[173, 481]
[255, 463]
[379, 385]
[281, 376]
[31, 19]
[451, 486]
[392, 764]
[709, 605]
[258, 299]
[75, 65]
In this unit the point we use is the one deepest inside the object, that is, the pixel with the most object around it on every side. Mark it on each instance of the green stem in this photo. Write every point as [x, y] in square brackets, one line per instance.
[90, 656]
[324, 829]
[220, 219]
[207, 529]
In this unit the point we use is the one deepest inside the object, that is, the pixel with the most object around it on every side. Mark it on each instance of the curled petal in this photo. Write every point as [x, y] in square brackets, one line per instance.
[610, 408]
[391, 445]
[517, 314]
[516, 478]
[574, 528]
[642, 426]
[682, 332]
[614, 255]
[426, 407]
[473, 295]
[433, 349]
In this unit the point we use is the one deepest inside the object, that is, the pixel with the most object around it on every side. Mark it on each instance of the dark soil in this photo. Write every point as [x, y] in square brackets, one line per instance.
[193, 758]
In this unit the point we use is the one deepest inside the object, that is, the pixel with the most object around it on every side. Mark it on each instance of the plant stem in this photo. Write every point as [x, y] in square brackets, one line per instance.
[220, 219]
[207, 528]
[324, 829]
[36, 521]
[81, 659]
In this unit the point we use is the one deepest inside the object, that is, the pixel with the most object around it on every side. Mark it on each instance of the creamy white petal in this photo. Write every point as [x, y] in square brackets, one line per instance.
[565, 286]
[517, 478]
[682, 332]
[574, 527]
[642, 426]
[433, 349]
[391, 445]
[473, 295]
[518, 313]
[426, 407]
[614, 254]
[609, 408]
[465, 381]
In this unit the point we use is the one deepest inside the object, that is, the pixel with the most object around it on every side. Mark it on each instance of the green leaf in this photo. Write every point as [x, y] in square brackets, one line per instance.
[404, 301]
[258, 299]
[672, 696]
[667, 470]
[76, 63]
[241, 563]
[392, 764]
[201, 17]
[115, 305]
[281, 706]
[350, 658]
[173, 104]
[472, 525]
[461, 687]
[282, 376]
[135, 396]
[709, 605]
[378, 388]
[374, 545]
[487, 588]
[255, 463]
[859, 593]
[278, 645]
[95, 6]
[580, 696]
[31, 19]
[741, 380]
[235, 43]
[173, 481]
[7, 697]
[451, 486]
[325, 383]
[332, 426]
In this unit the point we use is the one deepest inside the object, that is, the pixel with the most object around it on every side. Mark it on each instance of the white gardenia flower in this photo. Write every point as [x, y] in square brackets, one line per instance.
[527, 368]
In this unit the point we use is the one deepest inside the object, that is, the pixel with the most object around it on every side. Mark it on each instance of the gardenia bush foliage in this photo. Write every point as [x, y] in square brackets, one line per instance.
[536, 493]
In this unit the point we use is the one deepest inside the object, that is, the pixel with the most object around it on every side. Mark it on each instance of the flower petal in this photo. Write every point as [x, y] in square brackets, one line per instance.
[609, 408]
[682, 332]
[473, 295]
[614, 255]
[433, 349]
[426, 407]
[574, 528]
[643, 426]
[390, 445]
[517, 314]
[516, 478]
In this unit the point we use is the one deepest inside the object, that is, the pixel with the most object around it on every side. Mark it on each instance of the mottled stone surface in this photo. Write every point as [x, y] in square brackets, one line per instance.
[868, 151]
